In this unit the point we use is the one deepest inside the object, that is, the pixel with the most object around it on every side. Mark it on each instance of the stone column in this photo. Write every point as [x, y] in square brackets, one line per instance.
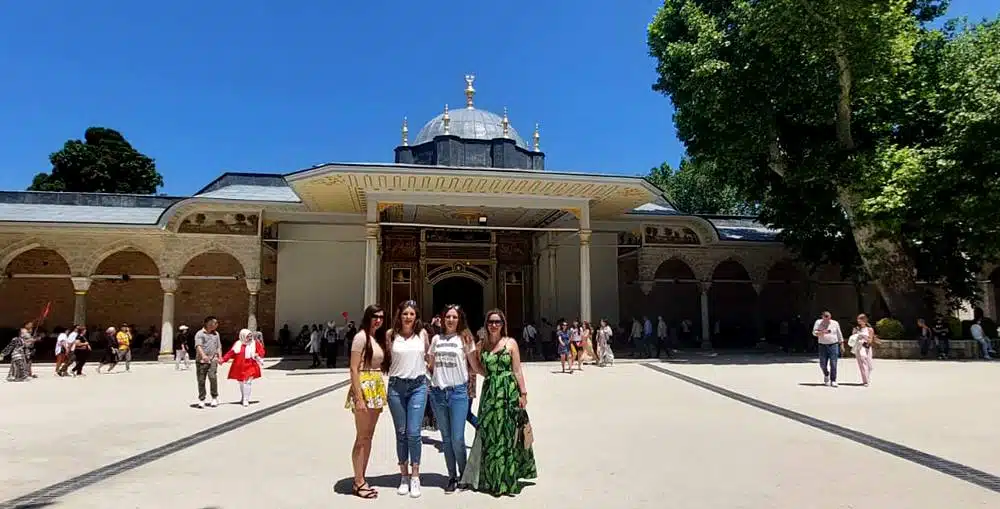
[758, 288]
[253, 286]
[80, 287]
[585, 301]
[706, 324]
[553, 297]
[371, 264]
[169, 286]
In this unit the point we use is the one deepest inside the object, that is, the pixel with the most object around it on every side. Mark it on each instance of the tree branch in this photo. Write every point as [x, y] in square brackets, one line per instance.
[845, 78]
[776, 160]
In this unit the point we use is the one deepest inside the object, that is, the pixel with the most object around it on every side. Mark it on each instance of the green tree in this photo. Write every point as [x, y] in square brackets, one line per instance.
[104, 162]
[829, 114]
[695, 189]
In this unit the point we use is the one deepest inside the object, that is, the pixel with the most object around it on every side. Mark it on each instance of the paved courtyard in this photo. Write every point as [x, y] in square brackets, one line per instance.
[723, 432]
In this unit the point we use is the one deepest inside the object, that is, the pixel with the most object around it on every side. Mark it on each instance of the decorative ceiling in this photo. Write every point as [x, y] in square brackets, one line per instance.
[468, 216]
[344, 190]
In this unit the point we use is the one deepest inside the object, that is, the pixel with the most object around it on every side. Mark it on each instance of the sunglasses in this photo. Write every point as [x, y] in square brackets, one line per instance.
[378, 317]
[494, 322]
[410, 304]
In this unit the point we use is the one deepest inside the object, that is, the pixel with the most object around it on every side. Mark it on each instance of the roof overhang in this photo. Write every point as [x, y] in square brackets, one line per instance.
[349, 187]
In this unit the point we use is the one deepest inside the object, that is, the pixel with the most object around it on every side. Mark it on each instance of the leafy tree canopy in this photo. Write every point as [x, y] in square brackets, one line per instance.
[695, 189]
[104, 162]
[862, 133]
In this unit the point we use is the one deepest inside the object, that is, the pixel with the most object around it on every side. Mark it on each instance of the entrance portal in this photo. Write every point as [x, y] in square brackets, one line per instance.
[465, 292]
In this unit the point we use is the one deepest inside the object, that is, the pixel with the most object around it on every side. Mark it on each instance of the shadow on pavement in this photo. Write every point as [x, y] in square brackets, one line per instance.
[388, 483]
[733, 358]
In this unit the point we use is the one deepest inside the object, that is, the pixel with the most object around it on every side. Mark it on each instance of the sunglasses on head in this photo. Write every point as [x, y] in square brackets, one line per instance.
[410, 304]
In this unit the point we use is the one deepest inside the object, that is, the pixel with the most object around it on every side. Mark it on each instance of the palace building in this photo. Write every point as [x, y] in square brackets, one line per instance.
[467, 213]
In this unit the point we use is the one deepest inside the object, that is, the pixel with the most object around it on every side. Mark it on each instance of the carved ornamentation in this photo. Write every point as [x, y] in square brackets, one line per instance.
[399, 246]
[670, 235]
[227, 223]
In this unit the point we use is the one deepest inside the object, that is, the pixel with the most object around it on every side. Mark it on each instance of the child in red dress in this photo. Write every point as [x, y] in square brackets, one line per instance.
[247, 356]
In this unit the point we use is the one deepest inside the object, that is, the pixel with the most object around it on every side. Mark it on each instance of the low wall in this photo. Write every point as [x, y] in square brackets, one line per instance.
[910, 349]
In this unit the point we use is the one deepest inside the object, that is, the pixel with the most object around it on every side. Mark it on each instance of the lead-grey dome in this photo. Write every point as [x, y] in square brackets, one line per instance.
[470, 124]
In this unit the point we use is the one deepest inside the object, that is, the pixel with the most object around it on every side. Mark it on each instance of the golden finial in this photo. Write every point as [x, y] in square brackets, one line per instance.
[406, 134]
[446, 120]
[536, 137]
[505, 123]
[469, 91]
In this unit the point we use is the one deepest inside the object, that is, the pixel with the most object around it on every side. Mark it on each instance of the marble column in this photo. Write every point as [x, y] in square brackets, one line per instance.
[585, 300]
[169, 286]
[371, 264]
[253, 286]
[706, 324]
[80, 287]
[553, 296]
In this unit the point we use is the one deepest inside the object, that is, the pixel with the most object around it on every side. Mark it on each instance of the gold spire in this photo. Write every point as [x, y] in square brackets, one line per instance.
[536, 137]
[505, 123]
[406, 134]
[469, 91]
[446, 120]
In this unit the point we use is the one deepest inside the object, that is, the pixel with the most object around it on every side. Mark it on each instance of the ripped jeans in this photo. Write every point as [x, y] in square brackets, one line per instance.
[407, 403]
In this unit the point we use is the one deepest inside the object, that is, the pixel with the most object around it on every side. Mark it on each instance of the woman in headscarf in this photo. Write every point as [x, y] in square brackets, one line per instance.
[18, 351]
[247, 355]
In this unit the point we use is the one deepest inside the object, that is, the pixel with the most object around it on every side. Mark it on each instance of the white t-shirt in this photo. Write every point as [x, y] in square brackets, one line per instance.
[829, 335]
[61, 343]
[408, 356]
[451, 366]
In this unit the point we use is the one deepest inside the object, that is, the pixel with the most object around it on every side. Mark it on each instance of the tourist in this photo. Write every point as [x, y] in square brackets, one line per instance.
[449, 361]
[562, 334]
[110, 357]
[576, 349]
[332, 338]
[662, 344]
[980, 336]
[367, 396]
[605, 357]
[207, 345]
[942, 334]
[636, 336]
[124, 338]
[587, 342]
[498, 461]
[181, 353]
[81, 350]
[315, 345]
[471, 417]
[247, 355]
[829, 337]
[62, 351]
[530, 335]
[925, 338]
[407, 392]
[862, 343]
[17, 349]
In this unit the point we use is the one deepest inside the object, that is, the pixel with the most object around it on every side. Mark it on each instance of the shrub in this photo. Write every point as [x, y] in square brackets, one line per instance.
[955, 327]
[889, 328]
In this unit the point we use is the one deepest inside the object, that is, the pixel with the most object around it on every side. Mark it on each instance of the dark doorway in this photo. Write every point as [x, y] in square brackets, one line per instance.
[462, 291]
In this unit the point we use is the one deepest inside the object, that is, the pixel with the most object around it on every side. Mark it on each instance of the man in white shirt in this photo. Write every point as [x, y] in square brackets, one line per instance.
[829, 337]
[528, 335]
[980, 336]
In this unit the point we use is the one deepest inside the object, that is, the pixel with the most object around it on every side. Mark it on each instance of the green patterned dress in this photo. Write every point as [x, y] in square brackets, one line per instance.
[497, 461]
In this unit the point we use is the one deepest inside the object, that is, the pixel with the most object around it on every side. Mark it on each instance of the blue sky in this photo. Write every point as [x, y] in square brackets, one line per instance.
[208, 87]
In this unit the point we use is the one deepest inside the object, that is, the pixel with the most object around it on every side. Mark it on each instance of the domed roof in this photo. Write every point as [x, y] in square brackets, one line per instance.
[471, 124]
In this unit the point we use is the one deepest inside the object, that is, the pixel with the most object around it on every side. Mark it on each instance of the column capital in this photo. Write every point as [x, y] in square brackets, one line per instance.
[705, 286]
[646, 287]
[81, 284]
[253, 285]
[585, 236]
[371, 230]
[758, 287]
[169, 284]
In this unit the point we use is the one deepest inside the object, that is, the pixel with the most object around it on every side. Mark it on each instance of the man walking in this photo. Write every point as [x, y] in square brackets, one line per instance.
[829, 336]
[208, 346]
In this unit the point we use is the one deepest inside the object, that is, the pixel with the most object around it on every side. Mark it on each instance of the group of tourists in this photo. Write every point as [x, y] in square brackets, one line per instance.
[435, 364]
[576, 344]
[831, 342]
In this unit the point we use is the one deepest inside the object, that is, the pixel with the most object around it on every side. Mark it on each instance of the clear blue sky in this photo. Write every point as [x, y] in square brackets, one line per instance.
[207, 87]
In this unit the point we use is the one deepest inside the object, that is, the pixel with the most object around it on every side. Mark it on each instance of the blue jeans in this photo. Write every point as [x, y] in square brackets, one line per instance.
[471, 418]
[828, 354]
[451, 407]
[407, 402]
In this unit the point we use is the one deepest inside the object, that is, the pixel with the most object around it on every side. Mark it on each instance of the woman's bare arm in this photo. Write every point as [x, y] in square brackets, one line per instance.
[515, 354]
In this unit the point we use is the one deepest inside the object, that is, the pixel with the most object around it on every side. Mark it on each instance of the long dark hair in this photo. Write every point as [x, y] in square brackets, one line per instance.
[366, 326]
[397, 320]
[462, 328]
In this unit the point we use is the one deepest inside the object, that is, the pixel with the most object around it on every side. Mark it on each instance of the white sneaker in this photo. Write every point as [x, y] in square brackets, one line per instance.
[833, 384]
[404, 485]
[200, 404]
[245, 403]
[415, 487]
[214, 403]
[826, 380]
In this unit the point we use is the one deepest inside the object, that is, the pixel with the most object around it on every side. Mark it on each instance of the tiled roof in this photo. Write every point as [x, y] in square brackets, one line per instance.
[743, 229]
[253, 193]
[655, 209]
[46, 207]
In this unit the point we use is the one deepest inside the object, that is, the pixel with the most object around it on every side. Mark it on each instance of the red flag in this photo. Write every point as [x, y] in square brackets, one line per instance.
[48, 307]
[344, 314]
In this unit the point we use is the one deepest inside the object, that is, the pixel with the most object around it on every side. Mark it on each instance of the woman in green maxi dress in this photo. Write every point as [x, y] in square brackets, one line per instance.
[498, 461]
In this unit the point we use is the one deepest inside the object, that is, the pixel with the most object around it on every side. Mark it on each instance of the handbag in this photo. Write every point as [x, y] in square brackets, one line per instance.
[524, 434]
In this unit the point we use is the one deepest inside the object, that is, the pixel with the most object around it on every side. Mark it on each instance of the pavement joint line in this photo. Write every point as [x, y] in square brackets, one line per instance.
[49, 494]
[927, 460]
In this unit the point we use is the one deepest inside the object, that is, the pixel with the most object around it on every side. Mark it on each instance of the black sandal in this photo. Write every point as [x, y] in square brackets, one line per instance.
[364, 491]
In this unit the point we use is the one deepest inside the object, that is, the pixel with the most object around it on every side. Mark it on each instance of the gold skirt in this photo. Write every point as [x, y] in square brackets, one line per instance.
[372, 390]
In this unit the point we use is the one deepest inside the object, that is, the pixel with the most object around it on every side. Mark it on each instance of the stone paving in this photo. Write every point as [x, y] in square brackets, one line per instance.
[627, 436]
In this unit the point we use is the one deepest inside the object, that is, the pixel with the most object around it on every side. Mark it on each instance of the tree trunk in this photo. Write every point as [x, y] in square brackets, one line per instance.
[891, 268]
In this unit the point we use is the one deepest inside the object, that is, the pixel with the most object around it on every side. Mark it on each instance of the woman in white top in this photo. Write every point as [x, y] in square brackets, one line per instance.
[449, 355]
[407, 391]
[605, 356]
[862, 345]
